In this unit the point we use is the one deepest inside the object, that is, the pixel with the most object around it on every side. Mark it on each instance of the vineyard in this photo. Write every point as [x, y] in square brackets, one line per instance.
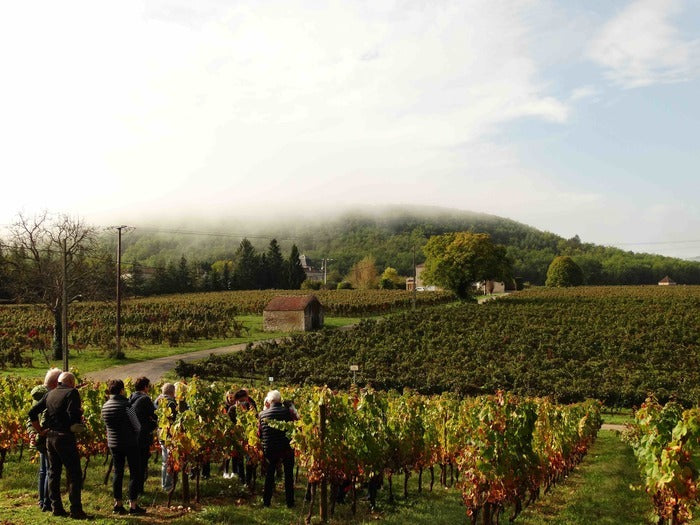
[501, 451]
[666, 442]
[615, 344]
[174, 319]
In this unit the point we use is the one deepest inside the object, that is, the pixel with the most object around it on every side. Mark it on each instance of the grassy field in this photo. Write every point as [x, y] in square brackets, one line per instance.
[599, 491]
[95, 359]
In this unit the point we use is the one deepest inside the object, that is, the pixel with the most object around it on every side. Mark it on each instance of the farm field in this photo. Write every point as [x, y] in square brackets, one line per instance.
[158, 323]
[615, 344]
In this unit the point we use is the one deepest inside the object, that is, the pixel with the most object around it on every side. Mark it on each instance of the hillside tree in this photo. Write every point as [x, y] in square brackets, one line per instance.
[39, 247]
[456, 261]
[564, 272]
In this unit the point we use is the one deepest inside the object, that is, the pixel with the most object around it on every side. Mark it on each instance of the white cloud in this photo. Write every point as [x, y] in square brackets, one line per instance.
[641, 46]
[583, 93]
[172, 104]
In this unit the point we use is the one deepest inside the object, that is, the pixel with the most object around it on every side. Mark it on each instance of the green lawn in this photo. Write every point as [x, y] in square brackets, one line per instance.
[96, 359]
[598, 491]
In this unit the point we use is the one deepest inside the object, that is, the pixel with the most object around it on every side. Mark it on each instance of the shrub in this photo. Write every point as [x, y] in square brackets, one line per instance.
[344, 285]
[563, 271]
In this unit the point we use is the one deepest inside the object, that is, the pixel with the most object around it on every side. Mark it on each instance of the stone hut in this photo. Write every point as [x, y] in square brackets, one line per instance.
[667, 281]
[293, 313]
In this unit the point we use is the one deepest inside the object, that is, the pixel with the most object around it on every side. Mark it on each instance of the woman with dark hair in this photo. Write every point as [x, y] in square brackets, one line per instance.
[122, 430]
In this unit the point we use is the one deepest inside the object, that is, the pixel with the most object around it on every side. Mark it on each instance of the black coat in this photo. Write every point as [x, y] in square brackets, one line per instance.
[146, 412]
[274, 441]
[62, 405]
[121, 422]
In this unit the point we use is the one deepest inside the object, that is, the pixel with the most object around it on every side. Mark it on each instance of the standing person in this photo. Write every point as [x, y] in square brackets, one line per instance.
[63, 416]
[276, 447]
[146, 414]
[39, 442]
[243, 402]
[166, 398]
[122, 439]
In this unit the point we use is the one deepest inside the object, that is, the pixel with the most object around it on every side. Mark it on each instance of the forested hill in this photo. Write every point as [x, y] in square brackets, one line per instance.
[391, 234]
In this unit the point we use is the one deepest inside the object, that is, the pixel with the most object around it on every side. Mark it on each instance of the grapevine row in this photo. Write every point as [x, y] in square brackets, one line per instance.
[505, 449]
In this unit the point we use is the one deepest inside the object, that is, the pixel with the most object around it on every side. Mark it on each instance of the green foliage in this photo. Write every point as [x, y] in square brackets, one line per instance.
[457, 260]
[344, 285]
[311, 285]
[563, 272]
[666, 442]
[616, 344]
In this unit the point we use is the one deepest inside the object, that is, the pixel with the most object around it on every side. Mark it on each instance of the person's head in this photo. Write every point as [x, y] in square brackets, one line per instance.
[230, 397]
[142, 383]
[240, 394]
[66, 379]
[115, 386]
[168, 389]
[51, 378]
[273, 397]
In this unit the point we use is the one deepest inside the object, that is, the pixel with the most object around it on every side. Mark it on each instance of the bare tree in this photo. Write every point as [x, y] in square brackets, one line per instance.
[44, 252]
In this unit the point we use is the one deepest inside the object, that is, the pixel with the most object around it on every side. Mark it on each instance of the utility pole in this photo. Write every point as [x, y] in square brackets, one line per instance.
[415, 284]
[64, 307]
[119, 354]
[325, 269]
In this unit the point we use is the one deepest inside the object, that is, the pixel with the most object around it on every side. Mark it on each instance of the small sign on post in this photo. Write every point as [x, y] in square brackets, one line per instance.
[270, 379]
[354, 369]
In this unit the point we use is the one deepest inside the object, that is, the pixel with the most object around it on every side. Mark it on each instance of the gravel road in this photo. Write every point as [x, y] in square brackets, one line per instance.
[155, 369]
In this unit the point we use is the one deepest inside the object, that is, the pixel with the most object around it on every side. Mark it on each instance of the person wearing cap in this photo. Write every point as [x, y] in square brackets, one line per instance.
[122, 439]
[39, 442]
[63, 417]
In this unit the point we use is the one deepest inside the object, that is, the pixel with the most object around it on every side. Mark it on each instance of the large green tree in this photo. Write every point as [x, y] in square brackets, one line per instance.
[457, 260]
[564, 272]
[295, 272]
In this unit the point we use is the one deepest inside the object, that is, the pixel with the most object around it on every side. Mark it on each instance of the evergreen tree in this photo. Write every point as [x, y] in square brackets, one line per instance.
[246, 267]
[295, 272]
[564, 272]
[275, 266]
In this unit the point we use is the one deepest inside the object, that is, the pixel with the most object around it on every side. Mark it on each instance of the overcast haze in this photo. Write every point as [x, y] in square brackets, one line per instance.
[573, 117]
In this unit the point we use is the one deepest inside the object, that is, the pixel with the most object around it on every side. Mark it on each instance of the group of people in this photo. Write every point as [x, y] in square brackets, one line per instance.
[57, 416]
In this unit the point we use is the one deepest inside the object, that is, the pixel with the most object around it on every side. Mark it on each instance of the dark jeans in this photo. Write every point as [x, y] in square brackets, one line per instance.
[43, 480]
[131, 455]
[271, 462]
[144, 452]
[63, 450]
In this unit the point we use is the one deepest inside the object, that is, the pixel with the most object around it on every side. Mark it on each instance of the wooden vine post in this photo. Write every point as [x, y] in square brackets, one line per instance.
[324, 482]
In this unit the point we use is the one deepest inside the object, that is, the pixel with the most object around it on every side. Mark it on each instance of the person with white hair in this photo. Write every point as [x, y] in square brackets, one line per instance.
[276, 447]
[63, 414]
[166, 399]
[39, 442]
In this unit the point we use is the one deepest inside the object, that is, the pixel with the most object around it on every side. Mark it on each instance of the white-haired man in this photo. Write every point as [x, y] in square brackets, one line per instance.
[276, 447]
[63, 410]
[39, 442]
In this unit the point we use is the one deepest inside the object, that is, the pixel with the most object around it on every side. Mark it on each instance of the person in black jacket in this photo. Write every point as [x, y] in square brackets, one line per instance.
[122, 439]
[64, 415]
[146, 414]
[276, 447]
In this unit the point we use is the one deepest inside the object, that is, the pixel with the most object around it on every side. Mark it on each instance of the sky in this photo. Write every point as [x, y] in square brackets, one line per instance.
[579, 118]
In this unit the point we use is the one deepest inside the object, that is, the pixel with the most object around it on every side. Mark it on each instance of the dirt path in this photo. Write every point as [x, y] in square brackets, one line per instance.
[155, 369]
[613, 426]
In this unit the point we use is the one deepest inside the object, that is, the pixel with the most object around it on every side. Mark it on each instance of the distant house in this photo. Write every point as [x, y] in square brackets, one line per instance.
[312, 273]
[667, 281]
[293, 313]
[488, 287]
[420, 286]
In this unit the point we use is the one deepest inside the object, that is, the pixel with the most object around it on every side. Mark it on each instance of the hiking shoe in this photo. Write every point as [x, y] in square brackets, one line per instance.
[60, 513]
[80, 515]
[119, 509]
[137, 510]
